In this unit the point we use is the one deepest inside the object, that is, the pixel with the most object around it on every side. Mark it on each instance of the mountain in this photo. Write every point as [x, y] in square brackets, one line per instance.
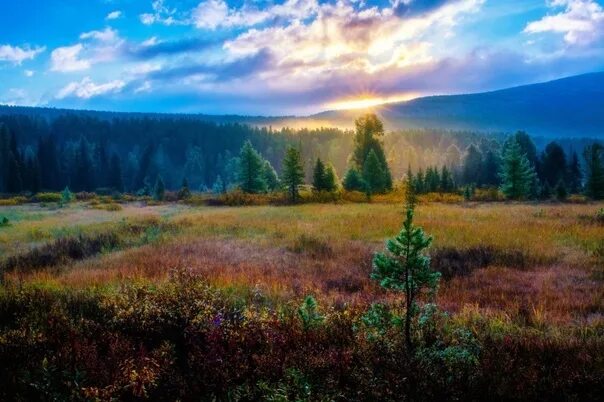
[567, 107]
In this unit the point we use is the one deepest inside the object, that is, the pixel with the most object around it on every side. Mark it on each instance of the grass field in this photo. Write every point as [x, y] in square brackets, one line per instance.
[526, 274]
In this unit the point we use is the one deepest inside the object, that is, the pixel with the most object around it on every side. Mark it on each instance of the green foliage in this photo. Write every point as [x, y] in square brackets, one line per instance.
[405, 268]
[66, 196]
[159, 190]
[373, 174]
[367, 140]
[468, 192]
[48, 197]
[594, 164]
[270, 176]
[251, 170]
[293, 173]
[184, 193]
[561, 192]
[517, 174]
[308, 313]
[353, 181]
[4, 222]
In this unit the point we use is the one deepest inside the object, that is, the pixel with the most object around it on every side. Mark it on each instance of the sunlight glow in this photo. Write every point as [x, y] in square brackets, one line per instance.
[369, 101]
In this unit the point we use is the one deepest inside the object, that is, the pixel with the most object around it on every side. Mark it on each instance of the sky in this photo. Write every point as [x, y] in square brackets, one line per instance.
[284, 57]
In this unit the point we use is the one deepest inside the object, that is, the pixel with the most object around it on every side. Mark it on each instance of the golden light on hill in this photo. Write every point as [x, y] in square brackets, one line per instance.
[368, 101]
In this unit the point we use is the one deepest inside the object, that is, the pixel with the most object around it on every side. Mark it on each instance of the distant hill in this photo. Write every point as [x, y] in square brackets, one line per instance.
[568, 107]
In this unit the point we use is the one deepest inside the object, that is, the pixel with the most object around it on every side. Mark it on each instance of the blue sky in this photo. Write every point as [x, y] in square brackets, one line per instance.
[273, 57]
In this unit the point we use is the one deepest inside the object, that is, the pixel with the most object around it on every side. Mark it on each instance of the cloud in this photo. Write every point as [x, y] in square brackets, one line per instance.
[152, 47]
[66, 59]
[28, 73]
[581, 22]
[87, 89]
[212, 14]
[161, 14]
[107, 35]
[16, 54]
[114, 15]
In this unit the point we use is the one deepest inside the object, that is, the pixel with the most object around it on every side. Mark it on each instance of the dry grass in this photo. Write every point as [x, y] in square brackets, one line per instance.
[287, 252]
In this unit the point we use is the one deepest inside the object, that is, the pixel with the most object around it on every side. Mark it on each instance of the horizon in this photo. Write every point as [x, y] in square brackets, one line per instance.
[286, 57]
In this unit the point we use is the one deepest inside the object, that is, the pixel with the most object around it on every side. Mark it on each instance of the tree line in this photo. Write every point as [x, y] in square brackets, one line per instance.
[250, 158]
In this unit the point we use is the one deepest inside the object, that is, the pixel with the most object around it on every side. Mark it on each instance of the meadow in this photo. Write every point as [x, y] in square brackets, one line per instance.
[174, 301]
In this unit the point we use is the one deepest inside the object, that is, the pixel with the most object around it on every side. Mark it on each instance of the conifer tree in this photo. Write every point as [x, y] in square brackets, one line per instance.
[293, 173]
[185, 191]
[159, 191]
[446, 181]
[517, 174]
[331, 178]
[472, 166]
[373, 175]
[561, 192]
[318, 180]
[575, 176]
[353, 181]
[270, 176]
[553, 164]
[219, 186]
[405, 268]
[251, 170]
[594, 166]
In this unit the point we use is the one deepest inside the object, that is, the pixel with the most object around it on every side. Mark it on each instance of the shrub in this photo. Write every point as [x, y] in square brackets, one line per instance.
[18, 200]
[4, 221]
[85, 196]
[48, 197]
[452, 262]
[311, 245]
[60, 251]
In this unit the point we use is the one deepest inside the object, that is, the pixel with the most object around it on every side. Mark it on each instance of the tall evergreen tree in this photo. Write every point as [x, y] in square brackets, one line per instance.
[472, 166]
[490, 168]
[318, 175]
[446, 181]
[594, 167]
[293, 173]
[368, 134]
[517, 174]
[331, 178]
[373, 175]
[251, 170]
[159, 191]
[553, 164]
[353, 181]
[270, 176]
[575, 176]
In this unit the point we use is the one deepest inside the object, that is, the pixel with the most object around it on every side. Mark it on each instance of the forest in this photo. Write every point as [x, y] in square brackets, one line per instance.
[129, 154]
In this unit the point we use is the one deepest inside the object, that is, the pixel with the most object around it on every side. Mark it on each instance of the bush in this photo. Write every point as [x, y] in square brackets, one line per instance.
[18, 200]
[48, 197]
[491, 194]
[311, 245]
[452, 262]
[85, 196]
[61, 251]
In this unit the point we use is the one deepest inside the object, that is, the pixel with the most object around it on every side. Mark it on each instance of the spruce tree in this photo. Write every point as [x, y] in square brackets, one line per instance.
[472, 166]
[270, 176]
[185, 191]
[369, 130]
[446, 181]
[331, 178]
[353, 181]
[293, 173]
[405, 268]
[159, 191]
[251, 170]
[517, 174]
[575, 176]
[373, 175]
[318, 176]
[594, 167]
[553, 164]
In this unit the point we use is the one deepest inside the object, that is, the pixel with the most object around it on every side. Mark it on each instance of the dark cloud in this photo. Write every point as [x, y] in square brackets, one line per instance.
[185, 45]
[222, 72]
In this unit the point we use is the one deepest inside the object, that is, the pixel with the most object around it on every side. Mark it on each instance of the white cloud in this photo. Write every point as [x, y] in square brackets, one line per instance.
[581, 21]
[28, 73]
[114, 15]
[161, 14]
[67, 59]
[211, 14]
[106, 35]
[87, 89]
[16, 54]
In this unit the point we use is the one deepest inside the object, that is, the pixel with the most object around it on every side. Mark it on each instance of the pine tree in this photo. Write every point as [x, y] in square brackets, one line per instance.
[270, 176]
[353, 181]
[575, 176]
[553, 164]
[318, 175]
[490, 167]
[517, 175]
[218, 187]
[369, 130]
[446, 181]
[561, 192]
[404, 267]
[251, 170]
[293, 173]
[419, 183]
[184, 191]
[472, 166]
[373, 175]
[331, 178]
[594, 166]
[159, 191]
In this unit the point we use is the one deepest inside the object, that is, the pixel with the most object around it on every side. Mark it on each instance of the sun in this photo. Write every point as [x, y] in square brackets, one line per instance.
[368, 101]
